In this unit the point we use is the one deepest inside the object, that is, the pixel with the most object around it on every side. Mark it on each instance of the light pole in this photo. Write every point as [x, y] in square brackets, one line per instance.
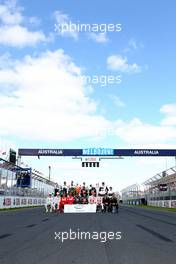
[49, 167]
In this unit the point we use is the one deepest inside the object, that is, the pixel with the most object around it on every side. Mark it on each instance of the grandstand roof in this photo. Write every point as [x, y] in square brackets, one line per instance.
[131, 188]
[162, 178]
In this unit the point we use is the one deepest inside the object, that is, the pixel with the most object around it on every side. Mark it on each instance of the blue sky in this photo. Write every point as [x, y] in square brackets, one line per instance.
[45, 103]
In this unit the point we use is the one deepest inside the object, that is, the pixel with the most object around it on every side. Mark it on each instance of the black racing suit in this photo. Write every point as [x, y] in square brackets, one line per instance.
[106, 203]
[84, 200]
[114, 202]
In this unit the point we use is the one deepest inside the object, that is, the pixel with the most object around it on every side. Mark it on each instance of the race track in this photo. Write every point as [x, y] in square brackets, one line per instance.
[27, 236]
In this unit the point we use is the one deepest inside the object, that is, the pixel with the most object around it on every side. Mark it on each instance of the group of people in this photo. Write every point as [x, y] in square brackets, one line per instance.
[102, 196]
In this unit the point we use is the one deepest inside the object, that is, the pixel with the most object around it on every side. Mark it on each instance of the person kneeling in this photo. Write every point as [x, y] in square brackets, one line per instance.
[56, 201]
[70, 198]
[92, 198]
[63, 201]
[49, 203]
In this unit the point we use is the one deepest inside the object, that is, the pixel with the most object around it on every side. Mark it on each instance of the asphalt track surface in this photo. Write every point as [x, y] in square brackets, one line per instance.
[28, 236]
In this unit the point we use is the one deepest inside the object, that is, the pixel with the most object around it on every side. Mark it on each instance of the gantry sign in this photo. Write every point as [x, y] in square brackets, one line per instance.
[98, 152]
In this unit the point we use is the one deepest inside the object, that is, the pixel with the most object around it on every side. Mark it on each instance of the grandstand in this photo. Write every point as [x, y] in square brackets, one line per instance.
[160, 190]
[16, 181]
[133, 194]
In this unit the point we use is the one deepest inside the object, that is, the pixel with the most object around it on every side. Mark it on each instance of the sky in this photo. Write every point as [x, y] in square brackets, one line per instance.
[80, 74]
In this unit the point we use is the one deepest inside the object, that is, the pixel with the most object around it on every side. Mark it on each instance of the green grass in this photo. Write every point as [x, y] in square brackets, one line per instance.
[154, 208]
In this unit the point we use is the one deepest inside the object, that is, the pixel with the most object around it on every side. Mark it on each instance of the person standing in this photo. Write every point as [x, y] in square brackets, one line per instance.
[65, 188]
[72, 188]
[97, 188]
[103, 190]
[110, 192]
[77, 199]
[114, 204]
[106, 204]
[78, 189]
[84, 189]
[84, 198]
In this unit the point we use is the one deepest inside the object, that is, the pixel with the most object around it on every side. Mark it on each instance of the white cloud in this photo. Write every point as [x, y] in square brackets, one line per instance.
[35, 21]
[12, 32]
[137, 132]
[9, 14]
[63, 26]
[170, 111]
[48, 100]
[98, 37]
[42, 98]
[118, 63]
[169, 121]
[117, 101]
[18, 36]
[133, 45]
